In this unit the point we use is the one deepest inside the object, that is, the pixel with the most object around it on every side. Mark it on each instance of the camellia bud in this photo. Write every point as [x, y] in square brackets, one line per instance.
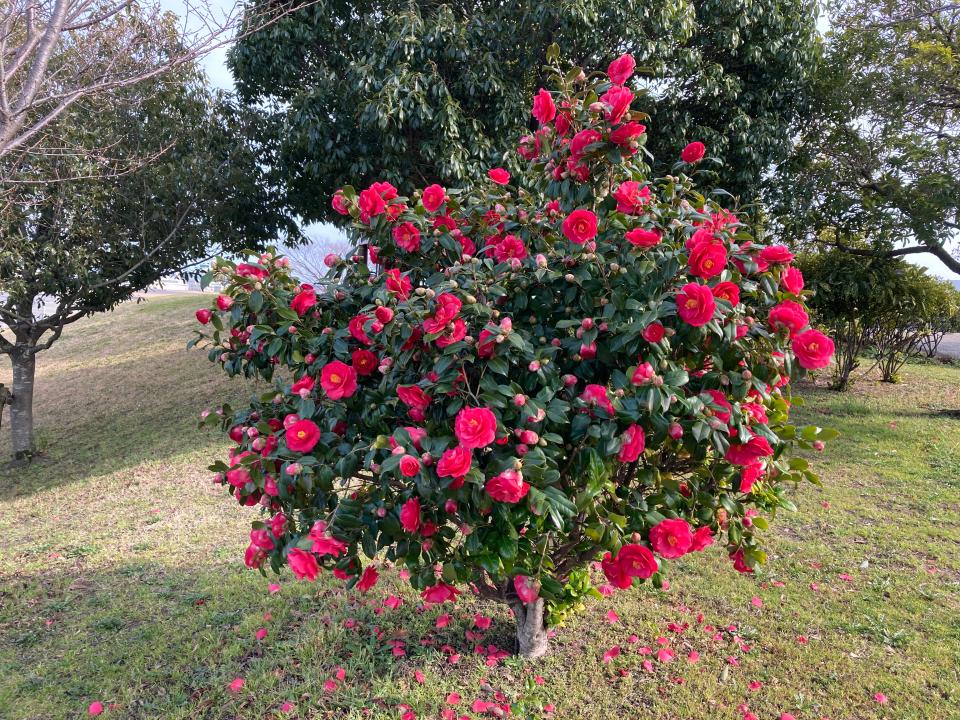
[310, 358]
[818, 445]
[534, 366]
[330, 260]
[569, 380]
[381, 512]
[294, 469]
[675, 431]
[519, 400]
[541, 260]
[569, 277]
[506, 325]
[596, 107]
[450, 506]
[587, 323]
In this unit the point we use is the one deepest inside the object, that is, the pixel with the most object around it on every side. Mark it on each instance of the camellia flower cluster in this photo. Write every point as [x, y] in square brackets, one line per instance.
[505, 384]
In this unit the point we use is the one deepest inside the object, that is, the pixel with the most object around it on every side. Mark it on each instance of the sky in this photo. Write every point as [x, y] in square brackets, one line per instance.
[215, 64]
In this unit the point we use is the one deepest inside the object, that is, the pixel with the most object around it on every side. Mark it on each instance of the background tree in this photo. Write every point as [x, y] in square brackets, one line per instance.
[74, 242]
[419, 91]
[878, 157]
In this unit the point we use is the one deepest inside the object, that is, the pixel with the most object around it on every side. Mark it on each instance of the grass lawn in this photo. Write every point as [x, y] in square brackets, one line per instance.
[122, 581]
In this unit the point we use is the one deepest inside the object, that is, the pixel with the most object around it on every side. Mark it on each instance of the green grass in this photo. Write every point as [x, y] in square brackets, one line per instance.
[121, 578]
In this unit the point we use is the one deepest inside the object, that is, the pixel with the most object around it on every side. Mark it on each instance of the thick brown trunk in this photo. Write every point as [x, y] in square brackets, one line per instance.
[21, 408]
[532, 641]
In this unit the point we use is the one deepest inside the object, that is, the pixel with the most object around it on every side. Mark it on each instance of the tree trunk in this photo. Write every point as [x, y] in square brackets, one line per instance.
[532, 639]
[21, 408]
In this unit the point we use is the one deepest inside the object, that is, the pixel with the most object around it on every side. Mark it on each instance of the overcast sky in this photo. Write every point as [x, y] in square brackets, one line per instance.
[215, 65]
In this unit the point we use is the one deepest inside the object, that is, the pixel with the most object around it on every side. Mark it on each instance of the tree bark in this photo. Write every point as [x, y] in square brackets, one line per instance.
[532, 641]
[21, 408]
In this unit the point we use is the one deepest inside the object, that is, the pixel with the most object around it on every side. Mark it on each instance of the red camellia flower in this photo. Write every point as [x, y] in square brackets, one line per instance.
[749, 452]
[355, 326]
[695, 304]
[224, 302]
[475, 427]
[707, 260]
[544, 109]
[776, 254]
[634, 442]
[455, 462]
[433, 197]
[614, 573]
[303, 564]
[639, 237]
[304, 300]
[631, 197]
[323, 542]
[813, 349]
[368, 579]
[499, 176]
[303, 387]
[654, 332]
[749, 475]
[621, 69]
[338, 380]
[580, 226]
[671, 538]
[740, 562]
[409, 466]
[339, 203]
[302, 436]
[364, 362]
[693, 152]
[251, 271]
[636, 561]
[719, 399]
[527, 590]
[398, 284]
[371, 204]
[407, 236]
[510, 247]
[617, 100]
[702, 538]
[790, 315]
[508, 487]
[413, 397]
[792, 280]
[204, 315]
[597, 395]
[580, 142]
[439, 593]
[727, 291]
[410, 515]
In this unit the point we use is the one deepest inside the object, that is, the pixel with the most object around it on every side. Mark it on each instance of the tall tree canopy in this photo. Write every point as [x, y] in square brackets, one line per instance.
[78, 238]
[879, 156]
[423, 91]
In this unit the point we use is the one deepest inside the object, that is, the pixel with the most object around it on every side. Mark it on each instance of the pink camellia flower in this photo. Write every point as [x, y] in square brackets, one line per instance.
[407, 237]
[642, 238]
[475, 427]
[671, 538]
[204, 315]
[813, 349]
[409, 466]
[455, 462]
[788, 315]
[702, 538]
[303, 564]
[304, 300]
[643, 374]
[527, 590]
[510, 247]
[693, 152]
[624, 135]
[707, 260]
[261, 539]
[749, 452]
[499, 176]
[632, 197]
[410, 515]
[634, 442]
[617, 101]
[339, 203]
[368, 579]
[582, 140]
[398, 284]
[371, 204]
[338, 380]
[636, 561]
[776, 254]
[433, 197]
[719, 399]
[357, 332]
[363, 362]
[621, 69]
[727, 291]
[792, 280]
[251, 271]
[224, 302]
[695, 304]
[441, 592]
[653, 333]
[237, 685]
[544, 109]
[96, 707]
[614, 573]
[508, 487]
[323, 542]
[740, 562]
[302, 436]
[303, 387]
[580, 226]
[597, 395]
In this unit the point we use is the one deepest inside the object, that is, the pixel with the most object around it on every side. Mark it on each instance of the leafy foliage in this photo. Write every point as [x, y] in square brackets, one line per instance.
[537, 370]
[420, 92]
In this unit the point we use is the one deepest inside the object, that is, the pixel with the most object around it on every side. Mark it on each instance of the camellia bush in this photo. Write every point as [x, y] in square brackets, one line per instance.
[506, 383]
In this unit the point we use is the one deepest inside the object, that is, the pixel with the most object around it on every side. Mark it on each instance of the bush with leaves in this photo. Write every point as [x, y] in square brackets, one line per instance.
[506, 383]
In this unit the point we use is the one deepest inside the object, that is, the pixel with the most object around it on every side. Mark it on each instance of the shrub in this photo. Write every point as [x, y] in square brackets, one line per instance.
[505, 383]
